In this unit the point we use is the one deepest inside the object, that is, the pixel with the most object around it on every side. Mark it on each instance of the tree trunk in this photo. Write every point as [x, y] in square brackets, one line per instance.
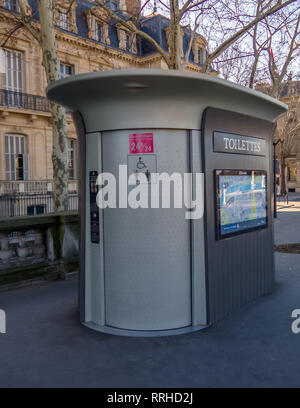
[275, 90]
[177, 47]
[175, 37]
[282, 174]
[59, 158]
[253, 72]
[51, 65]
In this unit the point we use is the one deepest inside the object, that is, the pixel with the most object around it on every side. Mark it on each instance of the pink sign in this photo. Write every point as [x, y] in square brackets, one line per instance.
[141, 143]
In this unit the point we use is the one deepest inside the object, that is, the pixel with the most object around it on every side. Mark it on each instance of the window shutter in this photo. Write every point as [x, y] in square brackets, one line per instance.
[26, 166]
[13, 158]
[3, 68]
[7, 166]
[2, 61]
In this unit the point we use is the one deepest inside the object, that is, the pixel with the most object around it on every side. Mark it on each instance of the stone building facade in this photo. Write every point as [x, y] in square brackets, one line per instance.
[290, 94]
[86, 43]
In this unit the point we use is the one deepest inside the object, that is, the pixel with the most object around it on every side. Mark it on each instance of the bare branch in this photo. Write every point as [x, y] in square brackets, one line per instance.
[222, 47]
[191, 40]
[25, 20]
[189, 5]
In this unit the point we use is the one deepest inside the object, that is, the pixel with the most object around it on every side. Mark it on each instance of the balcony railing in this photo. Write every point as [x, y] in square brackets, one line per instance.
[32, 186]
[14, 205]
[19, 100]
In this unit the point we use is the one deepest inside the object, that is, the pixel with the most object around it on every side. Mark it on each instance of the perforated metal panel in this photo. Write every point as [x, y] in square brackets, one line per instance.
[147, 251]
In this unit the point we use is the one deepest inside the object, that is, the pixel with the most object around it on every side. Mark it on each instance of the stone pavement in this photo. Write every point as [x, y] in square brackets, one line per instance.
[45, 345]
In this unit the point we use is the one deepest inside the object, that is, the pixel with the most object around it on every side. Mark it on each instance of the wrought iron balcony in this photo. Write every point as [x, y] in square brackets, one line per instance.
[28, 187]
[19, 100]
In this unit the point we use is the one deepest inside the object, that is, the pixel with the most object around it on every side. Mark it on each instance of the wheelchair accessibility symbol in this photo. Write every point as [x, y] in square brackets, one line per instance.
[140, 164]
[145, 164]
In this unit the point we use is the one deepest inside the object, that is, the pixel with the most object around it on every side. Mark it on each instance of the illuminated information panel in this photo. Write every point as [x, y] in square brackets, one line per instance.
[241, 201]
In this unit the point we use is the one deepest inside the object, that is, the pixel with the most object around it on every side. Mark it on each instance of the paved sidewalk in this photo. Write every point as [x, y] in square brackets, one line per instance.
[45, 346]
[287, 224]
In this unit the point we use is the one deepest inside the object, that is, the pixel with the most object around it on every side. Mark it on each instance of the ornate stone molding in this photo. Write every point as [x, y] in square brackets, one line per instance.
[86, 44]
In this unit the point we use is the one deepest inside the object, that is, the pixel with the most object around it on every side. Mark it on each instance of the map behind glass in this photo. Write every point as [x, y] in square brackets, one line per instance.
[242, 202]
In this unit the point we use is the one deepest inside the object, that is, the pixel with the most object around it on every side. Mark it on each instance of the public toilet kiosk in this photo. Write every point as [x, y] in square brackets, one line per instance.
[159, 269]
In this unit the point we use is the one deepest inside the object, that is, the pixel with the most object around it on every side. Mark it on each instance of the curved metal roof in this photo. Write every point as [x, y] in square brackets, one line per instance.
[153, 98]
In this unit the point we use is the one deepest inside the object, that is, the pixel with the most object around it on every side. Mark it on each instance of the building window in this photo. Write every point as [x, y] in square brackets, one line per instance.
[99, 32]
[36, 209]
[16, 158]
[12, 76]
[63, 20]
[200, 56]
[66, 70]
[72, 158]
[292, 173]
[127, 37]
[12, 5]
[12, 70]
[127, 42]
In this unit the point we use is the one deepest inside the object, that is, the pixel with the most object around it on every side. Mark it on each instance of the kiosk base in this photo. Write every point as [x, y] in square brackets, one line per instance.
[143, 333]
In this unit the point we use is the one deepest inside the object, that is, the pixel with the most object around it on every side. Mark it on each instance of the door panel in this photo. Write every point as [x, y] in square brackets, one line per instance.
[147, 251]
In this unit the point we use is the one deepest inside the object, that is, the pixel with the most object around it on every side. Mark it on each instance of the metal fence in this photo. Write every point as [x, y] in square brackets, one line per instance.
[13, 205]
[21, 100]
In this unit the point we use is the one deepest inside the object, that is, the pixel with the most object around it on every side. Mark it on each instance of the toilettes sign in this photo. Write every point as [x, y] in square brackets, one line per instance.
[231, 143]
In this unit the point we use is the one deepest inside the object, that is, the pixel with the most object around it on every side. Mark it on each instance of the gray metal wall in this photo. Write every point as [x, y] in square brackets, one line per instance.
[80, 129]
[239, 268]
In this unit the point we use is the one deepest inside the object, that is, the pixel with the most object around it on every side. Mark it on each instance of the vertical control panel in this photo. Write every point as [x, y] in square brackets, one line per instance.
[95, 229]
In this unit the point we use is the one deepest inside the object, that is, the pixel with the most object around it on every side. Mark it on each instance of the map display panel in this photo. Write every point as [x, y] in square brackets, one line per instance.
[241, 201]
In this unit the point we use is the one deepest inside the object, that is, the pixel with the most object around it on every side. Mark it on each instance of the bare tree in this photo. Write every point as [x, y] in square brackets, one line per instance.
[235, 64]
[289, 41]
[249, 55]
[202, 10]
[258, 47]
[275, 44]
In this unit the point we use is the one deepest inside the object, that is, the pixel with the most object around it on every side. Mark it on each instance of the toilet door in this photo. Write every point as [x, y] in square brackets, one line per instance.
[147, 255]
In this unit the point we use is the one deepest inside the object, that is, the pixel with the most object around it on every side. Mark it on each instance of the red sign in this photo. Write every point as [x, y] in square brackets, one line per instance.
[141, 143]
